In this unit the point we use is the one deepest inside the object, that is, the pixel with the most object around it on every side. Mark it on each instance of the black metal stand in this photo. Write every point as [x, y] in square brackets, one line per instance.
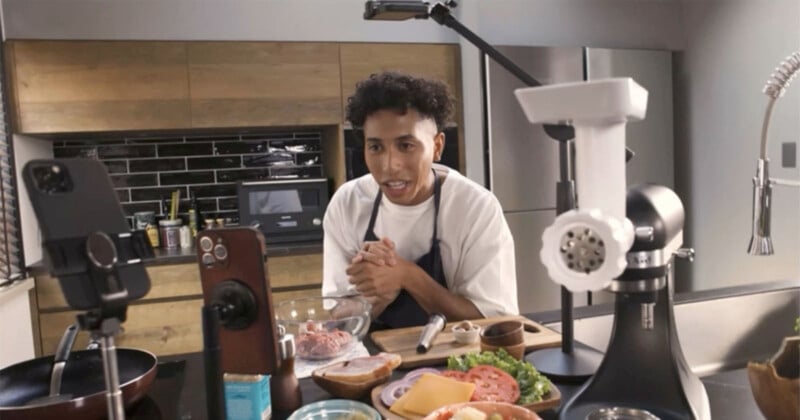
[97, 256]
[570, 363]
[233, 306]
[215, 389]
[567, 363]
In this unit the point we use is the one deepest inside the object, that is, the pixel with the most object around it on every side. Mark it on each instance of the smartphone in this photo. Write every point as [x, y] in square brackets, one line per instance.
[233, 272]
[73, 198]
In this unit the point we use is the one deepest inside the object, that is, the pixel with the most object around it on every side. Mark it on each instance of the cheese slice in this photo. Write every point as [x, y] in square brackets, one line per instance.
[432, 391]
[399, 407]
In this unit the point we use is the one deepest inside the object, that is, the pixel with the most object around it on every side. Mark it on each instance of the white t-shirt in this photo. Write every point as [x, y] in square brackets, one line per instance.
[476, 245]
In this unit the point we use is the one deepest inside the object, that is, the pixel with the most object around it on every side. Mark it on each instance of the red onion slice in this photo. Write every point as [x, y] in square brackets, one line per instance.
[413, 375]
[394, 390]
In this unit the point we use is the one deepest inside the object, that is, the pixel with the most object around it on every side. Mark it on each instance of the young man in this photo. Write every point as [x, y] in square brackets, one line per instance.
[414, 237]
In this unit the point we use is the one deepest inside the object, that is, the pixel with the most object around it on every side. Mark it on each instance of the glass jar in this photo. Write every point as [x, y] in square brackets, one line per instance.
[170, 233]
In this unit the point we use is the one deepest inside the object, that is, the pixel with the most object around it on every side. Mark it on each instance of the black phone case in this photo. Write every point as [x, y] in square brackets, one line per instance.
[90, 206]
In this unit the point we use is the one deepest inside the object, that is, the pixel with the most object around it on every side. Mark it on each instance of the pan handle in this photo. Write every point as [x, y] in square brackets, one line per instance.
[60, 359]
[65, 345]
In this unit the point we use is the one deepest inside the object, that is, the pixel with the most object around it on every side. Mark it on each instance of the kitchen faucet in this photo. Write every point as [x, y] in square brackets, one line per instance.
[761, 242]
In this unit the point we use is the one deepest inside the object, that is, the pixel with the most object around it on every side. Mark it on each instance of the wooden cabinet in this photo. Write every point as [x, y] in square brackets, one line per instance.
[66, 86]
[240, 84]
[437, 61]
[167, 320]
[85, 86]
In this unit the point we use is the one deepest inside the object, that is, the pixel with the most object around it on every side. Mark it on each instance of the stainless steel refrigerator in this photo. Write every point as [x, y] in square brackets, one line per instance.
[522, 162]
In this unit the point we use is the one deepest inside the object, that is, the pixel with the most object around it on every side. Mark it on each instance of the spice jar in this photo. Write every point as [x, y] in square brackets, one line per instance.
[284, 386]
[170, 233]
[186, 237]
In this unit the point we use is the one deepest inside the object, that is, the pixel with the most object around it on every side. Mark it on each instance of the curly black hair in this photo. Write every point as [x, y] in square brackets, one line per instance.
[398, 91]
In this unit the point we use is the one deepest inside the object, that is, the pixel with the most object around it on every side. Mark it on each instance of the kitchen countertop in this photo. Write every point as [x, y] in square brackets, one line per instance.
[189, 255]
[179, 393]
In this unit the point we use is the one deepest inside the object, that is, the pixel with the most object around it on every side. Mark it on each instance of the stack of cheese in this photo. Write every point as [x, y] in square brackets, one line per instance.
[430, 392]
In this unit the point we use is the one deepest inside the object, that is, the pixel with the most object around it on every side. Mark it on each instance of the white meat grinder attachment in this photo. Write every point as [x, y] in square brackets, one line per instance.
[585, 248]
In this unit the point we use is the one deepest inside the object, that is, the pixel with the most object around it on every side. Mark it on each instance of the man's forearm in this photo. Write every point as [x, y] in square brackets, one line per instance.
[433, 297]
[378, 306]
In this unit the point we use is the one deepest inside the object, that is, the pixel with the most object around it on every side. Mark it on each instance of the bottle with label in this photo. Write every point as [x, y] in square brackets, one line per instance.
[186, 237]
[193, 225]
[164, 207]
[194, 205]
[152, 235]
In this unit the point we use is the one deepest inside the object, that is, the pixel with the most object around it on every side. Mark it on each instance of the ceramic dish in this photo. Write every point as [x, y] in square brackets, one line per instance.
[507, 411]
[336, 410]
[466, 332]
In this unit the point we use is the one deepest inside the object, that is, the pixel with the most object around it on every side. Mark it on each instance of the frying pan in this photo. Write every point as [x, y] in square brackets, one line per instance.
[82, 378]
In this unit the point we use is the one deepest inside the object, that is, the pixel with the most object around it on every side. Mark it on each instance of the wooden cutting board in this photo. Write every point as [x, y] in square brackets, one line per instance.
[403, 341]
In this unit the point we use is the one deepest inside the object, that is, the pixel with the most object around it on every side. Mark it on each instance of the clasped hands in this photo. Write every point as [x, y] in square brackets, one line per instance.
[377, 271]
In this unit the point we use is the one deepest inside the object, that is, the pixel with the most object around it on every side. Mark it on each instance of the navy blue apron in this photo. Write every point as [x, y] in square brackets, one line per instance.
[404, 311]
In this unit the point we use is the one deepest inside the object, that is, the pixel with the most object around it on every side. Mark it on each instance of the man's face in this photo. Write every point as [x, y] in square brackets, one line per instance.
[399, 150]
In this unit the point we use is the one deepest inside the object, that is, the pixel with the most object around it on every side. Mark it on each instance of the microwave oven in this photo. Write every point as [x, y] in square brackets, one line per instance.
[284, 210]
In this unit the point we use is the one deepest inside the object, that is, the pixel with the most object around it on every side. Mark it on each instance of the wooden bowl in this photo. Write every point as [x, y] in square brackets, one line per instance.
[778, 395]
[349, 390]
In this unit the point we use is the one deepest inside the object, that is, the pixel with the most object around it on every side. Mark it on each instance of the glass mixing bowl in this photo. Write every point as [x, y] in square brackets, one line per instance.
[324, 327]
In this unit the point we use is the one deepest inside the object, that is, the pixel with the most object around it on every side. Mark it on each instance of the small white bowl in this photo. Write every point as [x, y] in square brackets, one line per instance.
[466, 332]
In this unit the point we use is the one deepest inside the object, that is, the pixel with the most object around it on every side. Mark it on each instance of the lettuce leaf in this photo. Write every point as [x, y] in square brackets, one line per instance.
[533, 386]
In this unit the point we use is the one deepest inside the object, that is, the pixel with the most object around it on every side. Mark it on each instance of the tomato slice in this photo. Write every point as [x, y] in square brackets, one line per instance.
[493, 384]
[456, 374]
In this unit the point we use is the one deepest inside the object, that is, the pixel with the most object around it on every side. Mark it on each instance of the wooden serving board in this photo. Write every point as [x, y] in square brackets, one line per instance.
[403, 341]
[551, 400]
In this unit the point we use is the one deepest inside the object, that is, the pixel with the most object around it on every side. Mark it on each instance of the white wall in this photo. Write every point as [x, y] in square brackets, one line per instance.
[27, 148]
[15, 323]
[732, 48]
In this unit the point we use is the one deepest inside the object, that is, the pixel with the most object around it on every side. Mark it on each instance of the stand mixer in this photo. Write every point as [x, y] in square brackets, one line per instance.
[624, 243]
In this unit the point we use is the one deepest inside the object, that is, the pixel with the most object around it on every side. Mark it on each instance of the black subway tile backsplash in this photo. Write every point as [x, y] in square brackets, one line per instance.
[123, 196]
[115, 166]
[140, 180]
[185, 149]
[297, 172]
[240, 147]
[212, 138]
[228, 203]
[158, 165]
[130, 208]
[148, 194]
[216, 190]
[186, 178]
[215, 162]
[110, 152]
[145, 168]
[243, 175]
[71, 152]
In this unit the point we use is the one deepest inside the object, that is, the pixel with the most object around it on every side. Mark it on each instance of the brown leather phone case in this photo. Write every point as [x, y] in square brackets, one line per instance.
[232, 260]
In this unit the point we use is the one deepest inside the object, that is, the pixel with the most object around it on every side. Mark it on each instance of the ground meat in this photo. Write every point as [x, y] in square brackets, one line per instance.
[320, 344]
